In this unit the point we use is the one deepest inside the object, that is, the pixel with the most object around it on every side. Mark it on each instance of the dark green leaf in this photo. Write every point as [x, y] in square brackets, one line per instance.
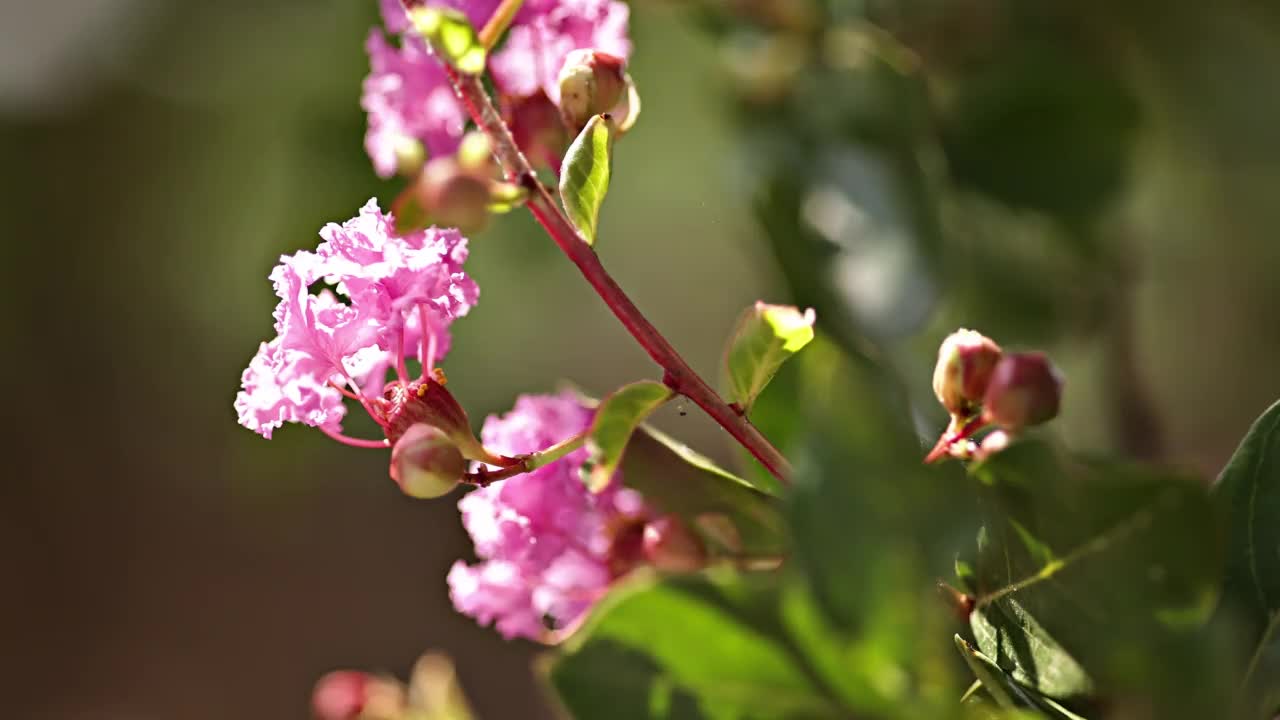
[1115, 565]
[1006, 690]
[1248, 494]
[615, 421]
[1019, 645]
[765, 336]
[584, 175]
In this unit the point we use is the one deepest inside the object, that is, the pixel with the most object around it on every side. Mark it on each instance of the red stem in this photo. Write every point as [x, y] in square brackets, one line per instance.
[676, 372]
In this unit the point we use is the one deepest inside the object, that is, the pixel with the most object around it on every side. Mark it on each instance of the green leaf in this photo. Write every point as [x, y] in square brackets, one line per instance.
[765, 336]
[675, 650]
[451, 35]
[678, 480]
[584, 175]
[1005, 690]
[1017, 643]
[1247, 496]
[1247, 493]
[616, 419]
[1100, 565]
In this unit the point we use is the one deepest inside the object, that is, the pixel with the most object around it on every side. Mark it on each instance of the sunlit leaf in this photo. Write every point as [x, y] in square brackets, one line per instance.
[615, 421]
[764, 338]
[584, 175]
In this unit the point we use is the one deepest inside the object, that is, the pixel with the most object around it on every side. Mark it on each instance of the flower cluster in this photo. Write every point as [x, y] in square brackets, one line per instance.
[549, 547]
[392, 298]
[407, 95]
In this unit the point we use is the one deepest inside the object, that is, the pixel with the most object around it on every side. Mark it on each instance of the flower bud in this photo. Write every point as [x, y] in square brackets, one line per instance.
[538, 130]
[340, 695]
[1024, 390]
[591, 83]
[966, 361]
[671, 547]
[453, 196]
[430, 403]
[425, 464]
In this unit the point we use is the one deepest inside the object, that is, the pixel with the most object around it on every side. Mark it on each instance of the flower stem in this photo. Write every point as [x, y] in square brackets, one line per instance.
[532, 461]
[676, 372]
[499, 22]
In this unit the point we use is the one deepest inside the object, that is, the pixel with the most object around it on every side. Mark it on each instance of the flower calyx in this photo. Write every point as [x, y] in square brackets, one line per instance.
[428, 402]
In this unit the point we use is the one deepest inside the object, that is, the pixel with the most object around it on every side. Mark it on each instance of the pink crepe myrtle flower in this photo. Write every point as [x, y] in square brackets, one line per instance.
[546, 31]
[407, 95]
[549, 547]
[393, 298]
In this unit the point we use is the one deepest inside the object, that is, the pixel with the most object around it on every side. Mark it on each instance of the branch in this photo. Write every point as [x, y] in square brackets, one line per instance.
[676, 372]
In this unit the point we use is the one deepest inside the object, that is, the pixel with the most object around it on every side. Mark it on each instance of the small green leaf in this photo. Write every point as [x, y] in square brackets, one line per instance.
[766, 335]
[451, 35]
[584, 175]
[616, 419]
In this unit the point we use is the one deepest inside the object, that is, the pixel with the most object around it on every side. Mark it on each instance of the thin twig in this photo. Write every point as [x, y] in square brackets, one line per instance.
[676, 372]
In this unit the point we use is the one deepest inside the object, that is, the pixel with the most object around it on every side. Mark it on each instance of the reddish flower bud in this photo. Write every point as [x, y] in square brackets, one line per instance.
[670, 546]
[428, 402]
[453, 196]
[425, 463]
[538, 130]
[966, 361]
[340, 695]
[591, 83]
[1025, 390]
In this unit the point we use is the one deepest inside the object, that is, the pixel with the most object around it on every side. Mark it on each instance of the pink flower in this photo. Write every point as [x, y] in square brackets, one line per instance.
[548, 546]
[407, 96]
[546, 31]
[395, 298]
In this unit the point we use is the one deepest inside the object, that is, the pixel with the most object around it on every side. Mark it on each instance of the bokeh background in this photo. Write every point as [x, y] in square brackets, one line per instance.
[159, 561]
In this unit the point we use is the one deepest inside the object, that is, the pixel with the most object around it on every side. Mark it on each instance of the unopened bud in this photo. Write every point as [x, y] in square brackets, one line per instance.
[425, 463]
[671, 547]
[430, 403]
[453, 196]
[340, 695]
[966, 361]
[591, 83]
[1025, 390]
[538, 130]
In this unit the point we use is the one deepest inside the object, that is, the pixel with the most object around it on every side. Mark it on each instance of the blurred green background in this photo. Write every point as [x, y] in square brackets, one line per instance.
[164, 562]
